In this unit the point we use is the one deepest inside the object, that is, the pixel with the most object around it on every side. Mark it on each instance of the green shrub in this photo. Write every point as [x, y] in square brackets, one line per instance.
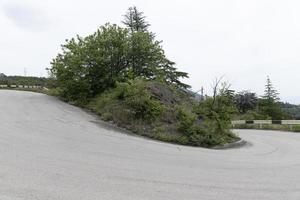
[253, 115]
[139, 106]
[107, 116]
[296, 128]
[186, 120]
[100, 103]
[131, 98]
[202, 137]
[136, 96]
[54, 92]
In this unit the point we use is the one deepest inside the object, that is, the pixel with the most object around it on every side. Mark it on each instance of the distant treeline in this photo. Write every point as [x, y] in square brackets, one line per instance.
[268, 106]
[24, 80]
[292, 110]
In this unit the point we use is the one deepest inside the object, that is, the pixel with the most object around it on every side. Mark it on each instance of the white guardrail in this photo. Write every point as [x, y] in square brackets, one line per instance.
[263, 122]
[20, 86]
[287, 122]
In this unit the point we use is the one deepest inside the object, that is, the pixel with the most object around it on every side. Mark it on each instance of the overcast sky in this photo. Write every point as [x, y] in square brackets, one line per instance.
[245, 40]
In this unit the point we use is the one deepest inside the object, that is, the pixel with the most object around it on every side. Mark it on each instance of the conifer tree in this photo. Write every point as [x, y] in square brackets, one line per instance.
[271, 93]
[135, 20]
[269, 103]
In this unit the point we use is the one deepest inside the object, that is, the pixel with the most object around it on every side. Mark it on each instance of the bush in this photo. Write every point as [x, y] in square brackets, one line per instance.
[131, 98]
[145, 109]
[186, 120]
[253, 115]
[202, 137]
[106, 116]
[140, 100]
[54, 92]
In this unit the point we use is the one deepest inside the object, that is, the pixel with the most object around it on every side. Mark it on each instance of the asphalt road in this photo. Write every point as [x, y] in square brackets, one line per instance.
[50, 150]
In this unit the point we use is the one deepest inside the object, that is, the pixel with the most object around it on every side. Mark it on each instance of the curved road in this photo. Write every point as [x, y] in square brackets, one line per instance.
[50, 150]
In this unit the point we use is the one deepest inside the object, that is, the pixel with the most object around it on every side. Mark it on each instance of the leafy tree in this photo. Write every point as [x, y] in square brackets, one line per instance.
[88, 66]
[246, 101]
[106, 57]
[217, 111]
[135, 20]
[145, 54]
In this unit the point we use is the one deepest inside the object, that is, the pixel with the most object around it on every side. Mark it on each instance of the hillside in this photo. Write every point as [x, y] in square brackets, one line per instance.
[123, 74]
[160, 111]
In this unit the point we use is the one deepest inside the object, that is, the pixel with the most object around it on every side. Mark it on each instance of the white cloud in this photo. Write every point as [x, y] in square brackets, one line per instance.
[25, 17]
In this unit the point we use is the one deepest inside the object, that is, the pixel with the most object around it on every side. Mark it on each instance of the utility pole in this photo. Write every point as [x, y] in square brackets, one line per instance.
[202, 94]
[25, 71]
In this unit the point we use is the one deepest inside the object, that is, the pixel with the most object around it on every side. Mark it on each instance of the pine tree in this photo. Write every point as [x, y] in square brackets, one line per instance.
[269, 103]
[135, 20]
[271, 93]
[146, 56]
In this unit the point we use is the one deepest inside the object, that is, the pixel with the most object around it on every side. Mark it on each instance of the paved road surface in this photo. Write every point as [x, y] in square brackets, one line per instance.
[50, 151]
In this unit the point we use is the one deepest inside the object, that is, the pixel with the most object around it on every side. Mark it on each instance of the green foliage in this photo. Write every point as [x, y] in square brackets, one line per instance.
[24, 80]
[134, 97]
[204, 137]
[219, 110]
[269, 103]
[271, 108]
[266, 107]
[54, 92]
[204, 133]
[215, 114]
[156, 110]
[139, 100]
[253, 115]
[186, 120]
[210, 124]
[107, 116]
[292, 111]
[246, 101]
[271, 93]
[135, 20]
[125, 76]
[89, 66]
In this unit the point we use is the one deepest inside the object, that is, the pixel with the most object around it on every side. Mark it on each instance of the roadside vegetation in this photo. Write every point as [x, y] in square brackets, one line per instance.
[24, 80]
[123, 74]
[268, 106]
